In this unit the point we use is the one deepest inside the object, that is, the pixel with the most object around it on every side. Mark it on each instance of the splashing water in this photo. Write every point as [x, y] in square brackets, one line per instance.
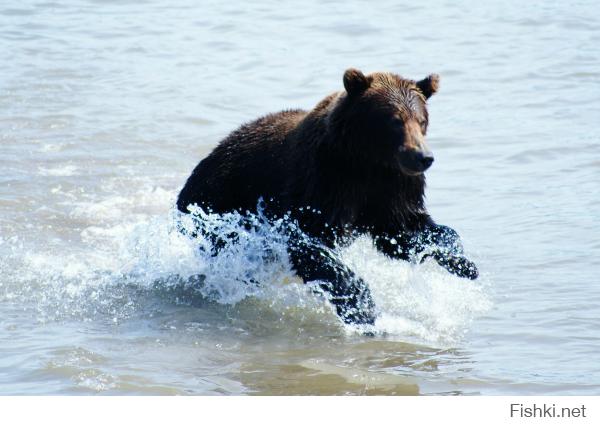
[420, 301]
[121, 264]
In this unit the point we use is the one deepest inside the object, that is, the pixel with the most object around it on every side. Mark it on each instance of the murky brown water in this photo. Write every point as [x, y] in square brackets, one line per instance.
[106, 106]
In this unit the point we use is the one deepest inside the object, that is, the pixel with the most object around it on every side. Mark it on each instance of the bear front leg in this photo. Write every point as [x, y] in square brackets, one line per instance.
[345, 290]
[457, 265]
[440, 242]
[447, 251]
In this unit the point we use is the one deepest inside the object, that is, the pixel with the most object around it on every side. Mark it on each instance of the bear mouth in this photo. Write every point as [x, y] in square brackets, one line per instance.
[409, 167]
[411, 172]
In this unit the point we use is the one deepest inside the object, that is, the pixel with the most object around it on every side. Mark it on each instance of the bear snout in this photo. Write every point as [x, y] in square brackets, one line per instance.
[415, 162]
[426, 160]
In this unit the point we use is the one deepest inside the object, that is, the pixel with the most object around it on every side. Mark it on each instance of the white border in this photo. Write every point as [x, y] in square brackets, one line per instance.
[283, 411]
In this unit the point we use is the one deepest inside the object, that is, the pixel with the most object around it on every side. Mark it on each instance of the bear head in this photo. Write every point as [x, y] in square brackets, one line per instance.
[382, 118]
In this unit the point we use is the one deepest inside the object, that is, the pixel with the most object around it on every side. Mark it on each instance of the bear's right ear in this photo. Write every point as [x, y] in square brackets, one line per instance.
[429, 85]
[355, 82]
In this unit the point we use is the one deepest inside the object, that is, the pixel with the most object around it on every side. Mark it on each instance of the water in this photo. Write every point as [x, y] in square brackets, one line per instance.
[108, 105]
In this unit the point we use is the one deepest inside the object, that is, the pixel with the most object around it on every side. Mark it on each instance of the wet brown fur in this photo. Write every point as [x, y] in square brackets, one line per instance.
[341, 159]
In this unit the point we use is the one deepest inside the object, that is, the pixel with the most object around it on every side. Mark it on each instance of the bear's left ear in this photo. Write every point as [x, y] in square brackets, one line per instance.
[355, 82]
[429, 85]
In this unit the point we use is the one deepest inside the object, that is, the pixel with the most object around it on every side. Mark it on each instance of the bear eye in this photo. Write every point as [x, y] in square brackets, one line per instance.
[398, 122]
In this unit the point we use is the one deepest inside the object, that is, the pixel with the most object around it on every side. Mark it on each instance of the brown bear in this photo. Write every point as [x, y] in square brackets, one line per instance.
[353, 165]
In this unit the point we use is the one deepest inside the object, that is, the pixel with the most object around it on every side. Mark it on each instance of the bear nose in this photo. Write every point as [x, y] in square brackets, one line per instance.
[426, 160]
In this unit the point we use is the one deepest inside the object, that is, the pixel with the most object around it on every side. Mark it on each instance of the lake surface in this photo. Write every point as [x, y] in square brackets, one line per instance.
[106, 106]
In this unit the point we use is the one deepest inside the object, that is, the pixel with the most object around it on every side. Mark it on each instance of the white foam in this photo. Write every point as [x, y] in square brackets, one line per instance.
[420, 302]
[423, 301]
